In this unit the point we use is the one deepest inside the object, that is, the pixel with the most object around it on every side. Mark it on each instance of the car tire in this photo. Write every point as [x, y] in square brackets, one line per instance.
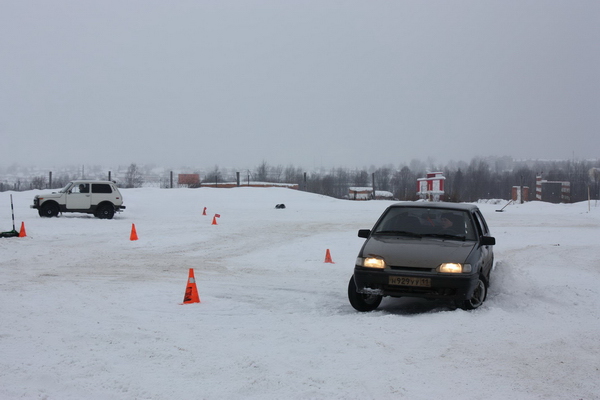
[478, 297]
[105, 211]
[362, 302]
[48, 210]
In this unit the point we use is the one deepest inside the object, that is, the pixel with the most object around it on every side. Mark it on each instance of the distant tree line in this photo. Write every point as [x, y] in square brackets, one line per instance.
[491, 178]
[481, 178]
[128, 177]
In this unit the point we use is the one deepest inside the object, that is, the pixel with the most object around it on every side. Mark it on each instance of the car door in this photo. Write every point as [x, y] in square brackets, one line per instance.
[79, 197]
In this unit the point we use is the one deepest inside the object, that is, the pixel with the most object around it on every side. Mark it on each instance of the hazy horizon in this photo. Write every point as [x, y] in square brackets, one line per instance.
[415, 165]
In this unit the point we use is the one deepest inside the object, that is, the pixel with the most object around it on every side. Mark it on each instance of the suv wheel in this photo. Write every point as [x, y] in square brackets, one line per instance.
[105, 211]
[360, 301]
[48, 210]
[478, 296]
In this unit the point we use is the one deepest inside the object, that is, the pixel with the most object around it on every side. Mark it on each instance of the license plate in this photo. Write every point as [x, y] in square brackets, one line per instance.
[410, 281]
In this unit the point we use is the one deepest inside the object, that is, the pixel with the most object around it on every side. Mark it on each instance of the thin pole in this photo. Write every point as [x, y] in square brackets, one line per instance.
[12, 209]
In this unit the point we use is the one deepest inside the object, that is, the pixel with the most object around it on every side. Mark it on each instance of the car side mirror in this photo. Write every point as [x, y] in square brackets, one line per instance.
[364, 233]
[488, 241]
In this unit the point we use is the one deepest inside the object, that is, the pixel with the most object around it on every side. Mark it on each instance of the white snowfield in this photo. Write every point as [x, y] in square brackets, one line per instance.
[88, 314]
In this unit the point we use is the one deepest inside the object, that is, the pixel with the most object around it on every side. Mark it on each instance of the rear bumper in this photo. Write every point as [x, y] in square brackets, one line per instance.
[449, 287]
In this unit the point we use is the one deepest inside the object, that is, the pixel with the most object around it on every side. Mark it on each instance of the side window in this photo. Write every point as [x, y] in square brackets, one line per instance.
[81, 188]
[472, 232]
[101, 188]
[483, 228]
[477, 224]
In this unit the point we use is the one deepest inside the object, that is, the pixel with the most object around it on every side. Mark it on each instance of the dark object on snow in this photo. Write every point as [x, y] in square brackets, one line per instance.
[14, 232]
[280, 206]
[502, 209]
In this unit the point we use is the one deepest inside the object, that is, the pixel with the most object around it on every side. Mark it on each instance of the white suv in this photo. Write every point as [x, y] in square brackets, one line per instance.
[101, 198]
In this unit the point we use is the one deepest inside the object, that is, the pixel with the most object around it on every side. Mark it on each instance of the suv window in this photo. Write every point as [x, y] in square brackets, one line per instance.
[81, 188]
[101, 188]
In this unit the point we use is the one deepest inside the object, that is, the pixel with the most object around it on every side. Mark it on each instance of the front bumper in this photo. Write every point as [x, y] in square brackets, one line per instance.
[443, 286]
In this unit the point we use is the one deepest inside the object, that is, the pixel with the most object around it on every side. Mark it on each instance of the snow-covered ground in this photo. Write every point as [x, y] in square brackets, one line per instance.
[88, 314]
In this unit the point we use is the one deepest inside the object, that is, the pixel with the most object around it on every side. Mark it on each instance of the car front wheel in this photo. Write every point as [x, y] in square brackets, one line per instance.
[360, 301]
[48, 210]
[478, 297]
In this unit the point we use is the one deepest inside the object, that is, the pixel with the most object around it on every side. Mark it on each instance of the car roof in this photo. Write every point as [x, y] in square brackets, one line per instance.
[90, 181]
[440, 205]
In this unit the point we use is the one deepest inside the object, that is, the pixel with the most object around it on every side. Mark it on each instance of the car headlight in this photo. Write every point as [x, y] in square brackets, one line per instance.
[371, 262]
[454, 268]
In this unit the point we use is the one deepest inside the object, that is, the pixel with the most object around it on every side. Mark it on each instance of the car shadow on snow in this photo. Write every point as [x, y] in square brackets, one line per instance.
[75, 216]
[413, 305]
[416, 306]
[84, 216]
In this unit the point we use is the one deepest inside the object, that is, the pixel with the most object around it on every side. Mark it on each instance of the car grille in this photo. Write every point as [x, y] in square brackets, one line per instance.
[410, 269]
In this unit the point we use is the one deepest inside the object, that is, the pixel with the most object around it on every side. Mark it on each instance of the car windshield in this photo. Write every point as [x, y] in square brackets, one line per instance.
[426, 222]
[66, 188]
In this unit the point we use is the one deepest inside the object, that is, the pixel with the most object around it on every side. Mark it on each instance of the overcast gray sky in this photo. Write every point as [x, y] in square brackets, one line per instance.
[303, 83]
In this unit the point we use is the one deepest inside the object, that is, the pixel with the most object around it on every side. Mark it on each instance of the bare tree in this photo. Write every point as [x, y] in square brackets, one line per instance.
[60, 181]
[276, 173]
[214, 176]
[38, 182]
[382, 178]
[404, 183]
[262, 172]
[293, 175]
[133, 177]
[360, 178]
[594, 174]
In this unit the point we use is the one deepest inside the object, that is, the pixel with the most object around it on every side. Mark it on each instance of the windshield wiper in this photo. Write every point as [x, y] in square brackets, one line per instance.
[399, 233]
[446, 236]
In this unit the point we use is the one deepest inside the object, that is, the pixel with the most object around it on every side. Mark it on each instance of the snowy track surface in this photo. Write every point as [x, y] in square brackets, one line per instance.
[88, 314]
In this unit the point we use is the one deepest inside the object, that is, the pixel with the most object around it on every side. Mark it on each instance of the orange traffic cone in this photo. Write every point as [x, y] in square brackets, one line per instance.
[214, 222]
[22, 232]
[204, 211]
[191, 291]
[133, 235]
[328, 257]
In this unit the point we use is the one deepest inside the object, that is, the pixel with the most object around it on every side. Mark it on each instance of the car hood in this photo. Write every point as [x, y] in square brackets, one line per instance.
[425, 253]
[53, 195]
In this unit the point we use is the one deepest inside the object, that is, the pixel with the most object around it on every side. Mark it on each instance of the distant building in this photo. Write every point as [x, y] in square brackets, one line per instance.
[193, 181]
[520, 194]
[431, 187]
[189, 180]
[360, 193]
[227, 185]
[552, 191]
[366, 193]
